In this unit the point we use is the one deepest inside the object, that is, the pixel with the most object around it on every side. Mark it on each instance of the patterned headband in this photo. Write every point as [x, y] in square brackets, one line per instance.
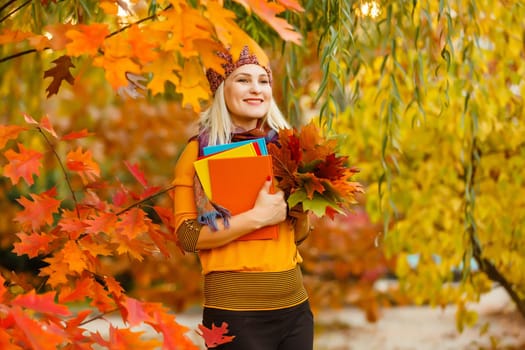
[215, 79]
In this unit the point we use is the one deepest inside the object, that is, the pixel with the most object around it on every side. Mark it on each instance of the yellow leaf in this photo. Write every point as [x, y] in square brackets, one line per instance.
[163, 69]
[109, 6]
[8, 36]
[194, 85]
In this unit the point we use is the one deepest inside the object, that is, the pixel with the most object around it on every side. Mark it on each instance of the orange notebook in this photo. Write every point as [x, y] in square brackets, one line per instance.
[235, 183]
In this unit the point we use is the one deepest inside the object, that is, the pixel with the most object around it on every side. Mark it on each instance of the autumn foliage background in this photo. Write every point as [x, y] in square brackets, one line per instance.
[97, 98]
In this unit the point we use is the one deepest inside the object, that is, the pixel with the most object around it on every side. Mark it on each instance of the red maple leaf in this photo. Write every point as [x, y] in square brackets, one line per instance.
[44, 303]
[22, 165]
[332, 167]
[39, 211]
[59, 73]
[32, 244]
[216, 335]
[37, 335]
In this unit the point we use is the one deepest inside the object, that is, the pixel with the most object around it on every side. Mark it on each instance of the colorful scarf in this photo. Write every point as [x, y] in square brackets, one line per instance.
[208, 211]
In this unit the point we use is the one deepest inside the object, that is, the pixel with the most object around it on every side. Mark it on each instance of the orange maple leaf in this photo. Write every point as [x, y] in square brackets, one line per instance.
[268, 12]
[43, 303]
[56, 271]
[117, 62]
[24, 164]
[86, 39]
[9, 132]
[59, 73]
[78, 292]
[83, 164]
[216, 335]
[141, 45]
[163, 321]
[74, 257]
[100, 299]
[127, 339]
[39, 211]
[32, 244]
[113, 286]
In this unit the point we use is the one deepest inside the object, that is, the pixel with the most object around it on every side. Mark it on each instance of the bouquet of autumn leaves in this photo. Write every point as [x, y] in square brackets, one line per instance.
[311, 173]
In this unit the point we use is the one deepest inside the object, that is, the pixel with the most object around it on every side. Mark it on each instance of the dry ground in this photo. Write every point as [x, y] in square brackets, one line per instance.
[402, 328]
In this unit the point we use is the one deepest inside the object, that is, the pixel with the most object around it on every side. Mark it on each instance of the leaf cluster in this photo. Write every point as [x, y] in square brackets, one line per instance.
[73, 243]
[311, 173]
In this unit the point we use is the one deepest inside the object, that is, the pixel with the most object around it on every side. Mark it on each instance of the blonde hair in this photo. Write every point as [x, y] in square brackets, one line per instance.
[217, 123]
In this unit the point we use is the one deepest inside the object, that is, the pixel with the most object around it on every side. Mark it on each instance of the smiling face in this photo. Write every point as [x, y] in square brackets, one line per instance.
[247, 93]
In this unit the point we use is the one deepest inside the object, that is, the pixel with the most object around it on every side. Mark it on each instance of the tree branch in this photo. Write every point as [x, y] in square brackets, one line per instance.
[23, 53]
[7, 4]
[15, 10]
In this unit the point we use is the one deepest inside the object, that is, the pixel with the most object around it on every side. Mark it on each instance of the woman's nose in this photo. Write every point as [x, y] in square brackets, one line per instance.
[255, 87]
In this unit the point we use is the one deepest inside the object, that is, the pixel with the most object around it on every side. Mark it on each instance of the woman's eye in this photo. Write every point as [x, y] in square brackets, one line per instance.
[264, 81]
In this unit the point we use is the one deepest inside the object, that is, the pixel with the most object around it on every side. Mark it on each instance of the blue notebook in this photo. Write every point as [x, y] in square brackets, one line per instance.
[219, 148]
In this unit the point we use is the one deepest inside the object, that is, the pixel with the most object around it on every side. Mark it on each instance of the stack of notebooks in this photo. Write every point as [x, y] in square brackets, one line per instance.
[232, 175]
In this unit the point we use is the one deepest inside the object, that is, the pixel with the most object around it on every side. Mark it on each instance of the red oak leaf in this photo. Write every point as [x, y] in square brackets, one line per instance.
[216, 335]
[133, 223]
[37, 335]
[32, 244]
[24, 164]
[9, 132]
[44, 303]
[137, 173]
[45, 124]
[76, 135]
[83, 164]
[133, 312]
[39, 211]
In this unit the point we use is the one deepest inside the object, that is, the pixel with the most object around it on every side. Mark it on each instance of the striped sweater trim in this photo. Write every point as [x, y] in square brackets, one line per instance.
[242, 291]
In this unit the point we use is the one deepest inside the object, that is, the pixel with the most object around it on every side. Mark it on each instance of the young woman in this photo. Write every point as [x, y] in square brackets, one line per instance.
[255, 286]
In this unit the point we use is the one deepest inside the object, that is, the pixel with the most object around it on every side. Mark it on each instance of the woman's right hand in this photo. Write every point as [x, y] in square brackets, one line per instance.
[270, 208]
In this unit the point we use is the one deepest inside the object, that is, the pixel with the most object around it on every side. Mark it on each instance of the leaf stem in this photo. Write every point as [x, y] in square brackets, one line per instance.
[23, 53]
[64, 171]
[136, 204]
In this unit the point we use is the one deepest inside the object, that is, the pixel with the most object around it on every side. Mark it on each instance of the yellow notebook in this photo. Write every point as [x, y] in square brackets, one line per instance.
[202, 168]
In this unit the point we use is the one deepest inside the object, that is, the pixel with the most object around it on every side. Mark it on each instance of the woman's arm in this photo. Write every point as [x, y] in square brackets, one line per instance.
[301, 222]
[269, 209]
